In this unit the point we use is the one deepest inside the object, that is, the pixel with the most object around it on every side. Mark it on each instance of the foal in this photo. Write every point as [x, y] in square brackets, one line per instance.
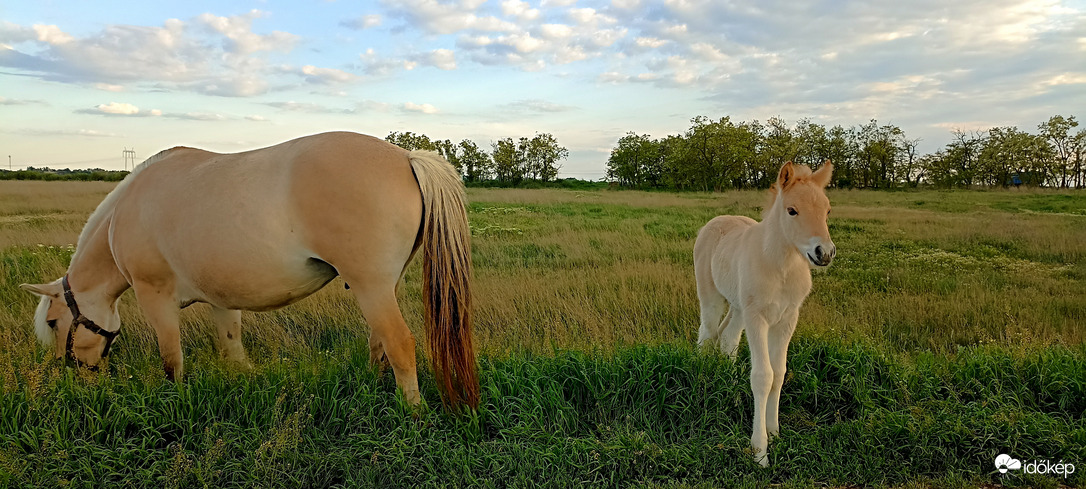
[762, 270]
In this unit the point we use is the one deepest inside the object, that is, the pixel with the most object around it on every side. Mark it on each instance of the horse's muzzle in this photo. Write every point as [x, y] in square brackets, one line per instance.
[822, 256]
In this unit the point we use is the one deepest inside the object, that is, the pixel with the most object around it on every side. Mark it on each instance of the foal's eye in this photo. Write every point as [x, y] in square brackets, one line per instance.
[52, 323]
[792, 211]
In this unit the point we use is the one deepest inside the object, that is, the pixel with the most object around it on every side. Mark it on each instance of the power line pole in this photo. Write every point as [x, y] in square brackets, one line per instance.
[129, 154]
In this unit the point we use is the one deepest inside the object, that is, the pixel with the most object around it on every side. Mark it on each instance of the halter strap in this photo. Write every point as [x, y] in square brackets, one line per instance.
[79, 319]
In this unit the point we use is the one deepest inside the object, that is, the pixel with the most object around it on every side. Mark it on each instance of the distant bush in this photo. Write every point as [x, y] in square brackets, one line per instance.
[566, 183]
[48, 174]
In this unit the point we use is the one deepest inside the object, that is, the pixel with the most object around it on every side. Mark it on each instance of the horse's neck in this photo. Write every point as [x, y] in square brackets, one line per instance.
[93, 269]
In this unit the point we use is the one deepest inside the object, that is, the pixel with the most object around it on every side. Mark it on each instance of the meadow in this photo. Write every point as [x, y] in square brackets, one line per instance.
[950, 328]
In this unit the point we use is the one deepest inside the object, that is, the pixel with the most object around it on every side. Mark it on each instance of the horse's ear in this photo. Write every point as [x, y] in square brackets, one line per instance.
[787, 176]
[823, 176]
[42, 290]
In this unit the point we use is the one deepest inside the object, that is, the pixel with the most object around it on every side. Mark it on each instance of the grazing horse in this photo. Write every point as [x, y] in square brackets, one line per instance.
[262, 229]
[760, 272]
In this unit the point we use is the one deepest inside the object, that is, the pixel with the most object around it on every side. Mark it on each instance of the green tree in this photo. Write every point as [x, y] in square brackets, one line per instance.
[542, 156]
[1057, 130]
[475, 163]
[508, 160]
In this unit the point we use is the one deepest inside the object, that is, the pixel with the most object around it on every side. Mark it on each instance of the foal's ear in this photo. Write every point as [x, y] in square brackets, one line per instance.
[43, 290]
[787, 176]
[823, 175]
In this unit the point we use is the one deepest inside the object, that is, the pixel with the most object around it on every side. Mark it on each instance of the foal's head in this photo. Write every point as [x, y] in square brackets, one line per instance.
[801, 208]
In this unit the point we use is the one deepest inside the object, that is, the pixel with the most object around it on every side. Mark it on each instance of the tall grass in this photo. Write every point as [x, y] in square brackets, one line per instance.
[948, 330]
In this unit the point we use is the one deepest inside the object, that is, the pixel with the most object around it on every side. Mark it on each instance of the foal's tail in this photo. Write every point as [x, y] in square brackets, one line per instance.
[446, 281]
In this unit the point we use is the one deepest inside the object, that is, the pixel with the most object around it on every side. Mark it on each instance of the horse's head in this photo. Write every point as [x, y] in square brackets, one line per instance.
[96, 323]
[801, 208]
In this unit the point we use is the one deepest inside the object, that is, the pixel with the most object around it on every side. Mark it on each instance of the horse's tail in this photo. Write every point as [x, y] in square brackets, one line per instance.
[446, 278]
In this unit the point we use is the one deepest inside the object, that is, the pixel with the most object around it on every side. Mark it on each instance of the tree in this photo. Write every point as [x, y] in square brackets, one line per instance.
[411, 141]
[475, 163]
[508, 161]
[542, 154]
[634, 161]
[1057, 130]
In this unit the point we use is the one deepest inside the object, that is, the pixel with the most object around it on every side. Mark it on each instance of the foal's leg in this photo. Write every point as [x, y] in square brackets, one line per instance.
[761, 379]
[389, 336]
[712, 308]
[228, 324]
[779, 337]
[732, 331]
[162, 311]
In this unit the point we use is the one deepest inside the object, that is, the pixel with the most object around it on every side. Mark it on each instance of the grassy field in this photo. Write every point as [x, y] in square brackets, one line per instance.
[951, 328]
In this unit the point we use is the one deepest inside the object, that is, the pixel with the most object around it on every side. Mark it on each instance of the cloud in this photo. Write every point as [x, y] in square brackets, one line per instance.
[91, 133]
[210, 54]
[363, 22]
[307, 107]
[327, 76]
[119, 109]
[423, 108]
[15, 101]
[256, 118]
[537, 105]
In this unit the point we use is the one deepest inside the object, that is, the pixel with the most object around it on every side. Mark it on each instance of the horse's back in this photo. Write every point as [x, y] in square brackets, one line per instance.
[263, 228]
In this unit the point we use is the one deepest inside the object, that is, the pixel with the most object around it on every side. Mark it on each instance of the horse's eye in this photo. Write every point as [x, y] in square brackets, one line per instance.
[792, 211]
[52, 323]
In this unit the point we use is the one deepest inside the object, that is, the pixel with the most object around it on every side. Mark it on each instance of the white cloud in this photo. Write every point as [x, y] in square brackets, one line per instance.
[326, 75]
[363, 22]
[51, 34]
[210, 54]
[240, 38]
[120, 109]
[114, 108]
[423, 108]
[523, 11]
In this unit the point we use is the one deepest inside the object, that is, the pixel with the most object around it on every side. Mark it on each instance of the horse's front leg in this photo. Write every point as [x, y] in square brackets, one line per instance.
[162, 311]
[779, 337]
[761, 380]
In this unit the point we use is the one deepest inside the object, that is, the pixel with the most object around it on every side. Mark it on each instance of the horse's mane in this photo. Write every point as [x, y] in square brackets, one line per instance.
[105, 208]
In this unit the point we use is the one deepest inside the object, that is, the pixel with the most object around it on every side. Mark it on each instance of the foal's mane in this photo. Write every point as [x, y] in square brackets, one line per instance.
[105, 208]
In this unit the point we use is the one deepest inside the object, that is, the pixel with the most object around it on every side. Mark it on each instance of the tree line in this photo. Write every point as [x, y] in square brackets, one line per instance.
[49, 174]
[719, 154]
[510, 161]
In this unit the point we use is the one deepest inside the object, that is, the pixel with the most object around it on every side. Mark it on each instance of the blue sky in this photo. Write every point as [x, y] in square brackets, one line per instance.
[80, 81]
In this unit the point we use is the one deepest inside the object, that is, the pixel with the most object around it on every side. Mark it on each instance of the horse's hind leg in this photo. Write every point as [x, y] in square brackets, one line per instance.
[228, 324]
[731, 332]
[390, 337]
[711, 302]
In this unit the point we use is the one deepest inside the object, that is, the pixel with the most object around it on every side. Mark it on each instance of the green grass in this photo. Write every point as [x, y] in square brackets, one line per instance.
[949, 330]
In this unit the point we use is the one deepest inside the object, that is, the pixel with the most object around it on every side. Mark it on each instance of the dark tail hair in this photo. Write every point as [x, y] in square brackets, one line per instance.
[446, 278]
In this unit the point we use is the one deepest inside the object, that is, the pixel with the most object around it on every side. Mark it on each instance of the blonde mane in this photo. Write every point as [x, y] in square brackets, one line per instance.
[105, 208]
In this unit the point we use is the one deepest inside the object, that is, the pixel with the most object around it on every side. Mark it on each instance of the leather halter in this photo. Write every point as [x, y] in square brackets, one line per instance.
[79, 319]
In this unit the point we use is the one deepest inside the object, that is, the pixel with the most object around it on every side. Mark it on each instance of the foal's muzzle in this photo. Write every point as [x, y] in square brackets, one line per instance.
[822, 255]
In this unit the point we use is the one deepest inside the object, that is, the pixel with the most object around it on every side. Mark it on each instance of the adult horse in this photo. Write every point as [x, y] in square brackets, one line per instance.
[761, 273]
[262, 229]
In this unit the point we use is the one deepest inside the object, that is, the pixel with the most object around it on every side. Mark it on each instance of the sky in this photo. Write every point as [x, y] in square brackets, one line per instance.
[82, 81]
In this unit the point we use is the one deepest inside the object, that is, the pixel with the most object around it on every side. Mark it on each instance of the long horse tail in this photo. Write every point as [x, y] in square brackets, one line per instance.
[446, 278]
